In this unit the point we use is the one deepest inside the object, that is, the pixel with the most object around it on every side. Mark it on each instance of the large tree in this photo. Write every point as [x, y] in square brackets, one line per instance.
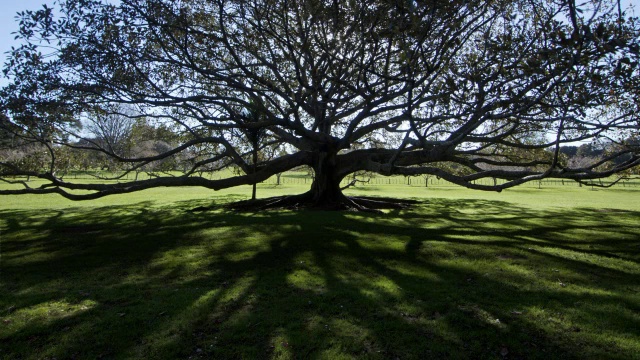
[463, 90]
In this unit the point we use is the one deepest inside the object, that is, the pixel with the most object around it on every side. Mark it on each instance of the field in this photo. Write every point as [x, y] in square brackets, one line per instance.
[529, 273]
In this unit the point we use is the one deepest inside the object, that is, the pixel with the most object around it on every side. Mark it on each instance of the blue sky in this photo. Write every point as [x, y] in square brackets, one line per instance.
[8, 23]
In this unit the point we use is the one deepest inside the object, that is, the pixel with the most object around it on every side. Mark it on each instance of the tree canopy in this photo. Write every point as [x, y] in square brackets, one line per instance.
[462, 90]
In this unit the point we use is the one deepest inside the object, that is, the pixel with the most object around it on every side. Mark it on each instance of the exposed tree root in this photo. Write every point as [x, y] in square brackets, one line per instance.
[305, 201]
[384, 203]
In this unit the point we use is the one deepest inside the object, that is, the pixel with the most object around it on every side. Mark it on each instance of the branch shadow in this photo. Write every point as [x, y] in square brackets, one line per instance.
[448, 279]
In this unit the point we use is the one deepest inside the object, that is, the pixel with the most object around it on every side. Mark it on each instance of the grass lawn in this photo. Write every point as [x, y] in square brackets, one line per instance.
[528, 273]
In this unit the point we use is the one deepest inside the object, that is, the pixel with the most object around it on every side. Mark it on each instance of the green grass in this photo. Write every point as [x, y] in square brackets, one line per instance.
[527, 273]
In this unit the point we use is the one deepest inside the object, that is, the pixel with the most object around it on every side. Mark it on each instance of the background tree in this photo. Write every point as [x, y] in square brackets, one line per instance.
[111, 129]
[7, 136]
[391, 87]
[254, 136]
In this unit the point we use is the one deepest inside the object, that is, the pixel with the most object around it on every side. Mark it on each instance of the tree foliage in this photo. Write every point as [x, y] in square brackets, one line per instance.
[462, 90]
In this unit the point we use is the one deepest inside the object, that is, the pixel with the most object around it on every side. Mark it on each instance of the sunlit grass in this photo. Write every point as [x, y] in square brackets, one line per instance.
[527, 273]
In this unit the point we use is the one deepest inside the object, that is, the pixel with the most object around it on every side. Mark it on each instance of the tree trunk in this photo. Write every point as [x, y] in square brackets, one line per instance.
[255, 164]
[325, 193]
[325, 190]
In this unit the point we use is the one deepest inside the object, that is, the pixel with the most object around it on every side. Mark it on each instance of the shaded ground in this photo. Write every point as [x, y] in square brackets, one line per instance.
[445, 279]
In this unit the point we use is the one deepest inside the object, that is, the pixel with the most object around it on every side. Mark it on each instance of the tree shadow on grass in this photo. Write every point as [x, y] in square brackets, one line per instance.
[448, 279]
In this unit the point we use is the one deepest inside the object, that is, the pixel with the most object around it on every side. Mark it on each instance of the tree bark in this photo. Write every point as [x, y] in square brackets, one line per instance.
[255, 165]
[253, 192]
[325, 190]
